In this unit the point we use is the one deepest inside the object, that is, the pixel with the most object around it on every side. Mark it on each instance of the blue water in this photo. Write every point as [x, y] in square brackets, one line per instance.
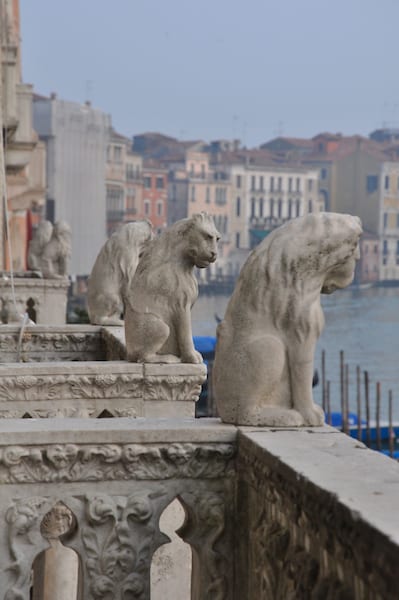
[363, 323]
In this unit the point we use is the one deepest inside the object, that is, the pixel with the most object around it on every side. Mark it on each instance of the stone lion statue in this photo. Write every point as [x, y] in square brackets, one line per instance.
[113, 272]
[50, 249]
[57, 252]
[40, 239]
[263, 369]
[164, 289]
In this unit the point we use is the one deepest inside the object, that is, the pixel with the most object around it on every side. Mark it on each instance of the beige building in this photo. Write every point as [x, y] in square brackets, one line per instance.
[24, 156]
[265, 196]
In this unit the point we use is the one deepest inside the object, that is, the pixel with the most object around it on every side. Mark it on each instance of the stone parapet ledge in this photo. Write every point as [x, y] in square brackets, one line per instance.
[317, 516]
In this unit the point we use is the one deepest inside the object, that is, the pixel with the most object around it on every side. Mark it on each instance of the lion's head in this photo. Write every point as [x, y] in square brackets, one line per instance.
[306, 256]
[193, 240]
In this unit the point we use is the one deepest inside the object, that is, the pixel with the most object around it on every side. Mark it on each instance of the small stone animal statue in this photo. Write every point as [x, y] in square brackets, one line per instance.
[164, 289]
[263, 369]
[50, 250]
[113, 272]
[40, 239]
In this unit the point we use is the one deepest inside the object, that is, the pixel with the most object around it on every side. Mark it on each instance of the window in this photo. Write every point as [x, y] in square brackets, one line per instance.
[272, 184]
[272, 207]
[386, 182]
[298, 207]
[193, 193]
[253, 182]
[146, 207]
[129, 171]
[202, 171]
[310, 185]
[280, 184]
[298, 184]
[310, 206]
[253, 208]
[290, 184]
[289, 209]
[117, 153]
[238, 181]
[385, 220]
[375, 248]
[147, 182]
[323, 174]
[238, 206]
[237, 240]
[160, 183]
[192, 170]
[261, 207]
[159, 208]
[280, 208]
[385, 247]
[208, 195]
[371, 183]
[261, 183]
[220, 195]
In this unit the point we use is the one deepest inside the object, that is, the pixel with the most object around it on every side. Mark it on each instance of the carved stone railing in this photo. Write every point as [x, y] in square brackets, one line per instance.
[102, 486]
[270, 514]
[79, 371]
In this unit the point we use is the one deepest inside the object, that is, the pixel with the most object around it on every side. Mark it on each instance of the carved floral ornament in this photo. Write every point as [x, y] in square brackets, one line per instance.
[108, 462]
[116, 539]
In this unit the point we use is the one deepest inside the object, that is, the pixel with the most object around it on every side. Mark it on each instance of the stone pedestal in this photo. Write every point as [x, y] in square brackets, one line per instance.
[48, 298]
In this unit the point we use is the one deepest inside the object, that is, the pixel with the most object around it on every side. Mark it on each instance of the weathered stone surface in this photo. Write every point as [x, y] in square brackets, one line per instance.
[263, 369]
[164, 289]
[113, 272]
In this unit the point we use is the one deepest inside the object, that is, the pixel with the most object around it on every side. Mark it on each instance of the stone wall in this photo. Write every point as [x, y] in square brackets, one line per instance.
[317, 517]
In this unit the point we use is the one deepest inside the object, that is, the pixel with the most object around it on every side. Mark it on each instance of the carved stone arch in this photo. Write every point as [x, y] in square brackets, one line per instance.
[171, 564]
[56, 570]
[206, 532]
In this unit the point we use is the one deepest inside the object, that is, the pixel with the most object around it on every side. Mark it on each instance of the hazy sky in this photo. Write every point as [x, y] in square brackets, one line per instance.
[212, 69]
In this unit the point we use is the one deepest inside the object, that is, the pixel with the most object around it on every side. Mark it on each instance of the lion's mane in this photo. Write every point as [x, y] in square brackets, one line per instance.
[285, 260]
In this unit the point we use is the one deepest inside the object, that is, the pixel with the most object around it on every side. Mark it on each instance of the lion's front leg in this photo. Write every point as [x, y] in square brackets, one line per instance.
[184, 336]
[301, 374]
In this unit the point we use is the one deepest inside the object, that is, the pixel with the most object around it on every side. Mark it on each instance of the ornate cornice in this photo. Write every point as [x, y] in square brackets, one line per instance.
[114, 462]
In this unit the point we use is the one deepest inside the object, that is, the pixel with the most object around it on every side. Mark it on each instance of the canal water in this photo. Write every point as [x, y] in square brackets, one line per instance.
[363, 323]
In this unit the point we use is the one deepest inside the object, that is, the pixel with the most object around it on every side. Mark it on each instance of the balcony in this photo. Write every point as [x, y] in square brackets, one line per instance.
[268, 513]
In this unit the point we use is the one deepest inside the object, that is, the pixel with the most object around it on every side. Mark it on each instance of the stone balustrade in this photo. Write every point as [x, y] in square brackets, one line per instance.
[270, 513]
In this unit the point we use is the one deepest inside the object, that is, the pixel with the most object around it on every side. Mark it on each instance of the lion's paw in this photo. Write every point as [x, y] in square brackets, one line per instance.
[314, 416]
[192, 357]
